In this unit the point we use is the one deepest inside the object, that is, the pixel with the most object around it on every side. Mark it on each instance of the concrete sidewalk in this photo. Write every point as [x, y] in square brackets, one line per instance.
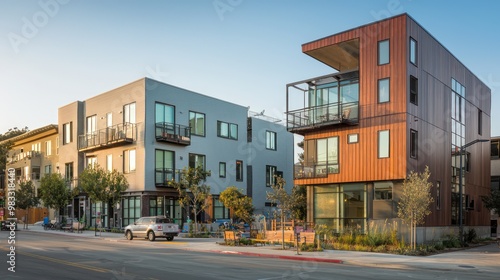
[480, 259]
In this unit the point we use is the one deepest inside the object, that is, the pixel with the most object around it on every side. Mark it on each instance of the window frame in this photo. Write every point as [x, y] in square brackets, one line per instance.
[413, 61]
[271, 140]
[270, 180]
[414, 92]
[379, 43]
[130, 113]
[379, 144]
[239, 170]
[196, 158]
[413, 144]
[383, 188]
[351, 140]
[129, 161]
[67, 133]
[388, 80]
[222, 169]
[193, 128]
[230, 126]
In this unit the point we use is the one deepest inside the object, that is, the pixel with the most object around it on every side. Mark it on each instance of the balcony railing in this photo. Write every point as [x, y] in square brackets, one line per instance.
[173, 133]
[315, 170]
[116, 135]
[323, 115]
[165, 175]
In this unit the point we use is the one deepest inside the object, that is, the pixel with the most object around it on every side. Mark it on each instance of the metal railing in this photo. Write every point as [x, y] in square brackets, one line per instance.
[315, 170]
[120, 133]
[173, 133]
[333, 113]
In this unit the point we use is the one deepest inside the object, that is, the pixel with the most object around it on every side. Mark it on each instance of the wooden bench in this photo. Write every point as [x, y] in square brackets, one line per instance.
[231, 238]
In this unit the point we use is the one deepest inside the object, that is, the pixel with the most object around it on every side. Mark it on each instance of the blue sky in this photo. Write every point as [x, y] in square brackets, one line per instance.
[54, 52]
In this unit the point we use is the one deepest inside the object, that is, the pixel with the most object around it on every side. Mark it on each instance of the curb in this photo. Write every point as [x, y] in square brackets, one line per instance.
[296, 258]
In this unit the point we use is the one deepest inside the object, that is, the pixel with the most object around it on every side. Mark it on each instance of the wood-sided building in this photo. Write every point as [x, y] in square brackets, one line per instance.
[399, 102]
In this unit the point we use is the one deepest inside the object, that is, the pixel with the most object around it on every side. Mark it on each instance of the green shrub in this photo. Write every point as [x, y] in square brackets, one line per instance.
[470, 236]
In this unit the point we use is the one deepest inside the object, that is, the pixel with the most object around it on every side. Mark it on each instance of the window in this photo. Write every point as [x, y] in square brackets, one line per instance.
[91, 124]
[196, 160]
[109, 163]
[413, 90]
[131, 209]
[239, 170]
[270, 172]
[220, 211]
[67, 133]
[479, 122]
[48, 169]
[129, 113]
[91, 162]
[495, 149]
[164, 166]
[227, 130]
[383, 90]
[57, 145]
[413, 51]
[197, 123]
[109, 120]
[271, 140]
[413, 143]
[68, 171]
[129, 161]
[352, 138]
[438, 195]
[382, 190]
[383, 143]
[322, 155]
[36, 147]
[164, 113]
[383, 52]
[156, 206]
[222, 169]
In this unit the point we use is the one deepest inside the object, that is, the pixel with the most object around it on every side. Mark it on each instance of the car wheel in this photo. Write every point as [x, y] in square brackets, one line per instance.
[151, 236]
[170, 238]
[129, 235]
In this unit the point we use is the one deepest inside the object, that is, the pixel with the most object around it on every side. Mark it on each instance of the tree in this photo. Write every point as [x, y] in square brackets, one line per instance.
[492, 201]
[299, 202]
[284, 202]
[301, 155]
[413, 205]
[191, 192]
[103, 185]
[26, 198]
[54, 191]
[240, 204]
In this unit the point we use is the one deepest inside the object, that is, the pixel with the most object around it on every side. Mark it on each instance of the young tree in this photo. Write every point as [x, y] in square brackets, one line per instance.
[283, 200]
[413, 205]
[102, 185]
[26, 198]
[299, 205]
[54, 191]
[240, 204]
[191, 192]
[492, 201]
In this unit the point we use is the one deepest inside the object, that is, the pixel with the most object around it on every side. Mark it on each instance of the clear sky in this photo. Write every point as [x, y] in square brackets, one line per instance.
[54, 52]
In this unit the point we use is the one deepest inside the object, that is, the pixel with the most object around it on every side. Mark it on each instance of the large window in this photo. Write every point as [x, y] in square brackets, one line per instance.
[383, 90]
[271, 140]
[48, 148]
[413, 143]
[197, 123]
[156, 206]
[383, 144]
[109, 163]
[227, 130]
[239, 170]
[131, 209]
[222, 169]
[270, 172]
[413, 90]
[322, 155]
[91, 162]
[164, 113]
[67, 133]
[383, 52]
[196, 160]
[413, 51]
[220, 211]
[129, 161]
[129, 113]
[91, 124]
[68, 171]
[164, 166]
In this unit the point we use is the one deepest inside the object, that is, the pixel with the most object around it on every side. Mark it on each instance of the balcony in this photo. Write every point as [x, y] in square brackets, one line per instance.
[323, 115]
[330, 100]
[315, 170]
[173, 133]
[121, 134]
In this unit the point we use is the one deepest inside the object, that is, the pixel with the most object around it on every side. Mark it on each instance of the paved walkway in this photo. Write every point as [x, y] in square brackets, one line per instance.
[480, 259]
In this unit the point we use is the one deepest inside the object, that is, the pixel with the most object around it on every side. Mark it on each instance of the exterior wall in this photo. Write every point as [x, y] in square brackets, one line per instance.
[258, 157]
[72, 113]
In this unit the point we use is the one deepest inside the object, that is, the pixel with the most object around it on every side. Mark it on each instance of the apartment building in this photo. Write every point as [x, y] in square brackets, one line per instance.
[495, 180]
[32, 155]
[150, 130]
[398, 101]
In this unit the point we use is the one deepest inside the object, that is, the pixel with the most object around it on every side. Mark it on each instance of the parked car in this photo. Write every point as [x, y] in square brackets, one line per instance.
[151, 228]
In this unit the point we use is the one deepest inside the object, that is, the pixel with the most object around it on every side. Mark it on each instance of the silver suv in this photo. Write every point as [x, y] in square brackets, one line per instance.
[152, 228]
